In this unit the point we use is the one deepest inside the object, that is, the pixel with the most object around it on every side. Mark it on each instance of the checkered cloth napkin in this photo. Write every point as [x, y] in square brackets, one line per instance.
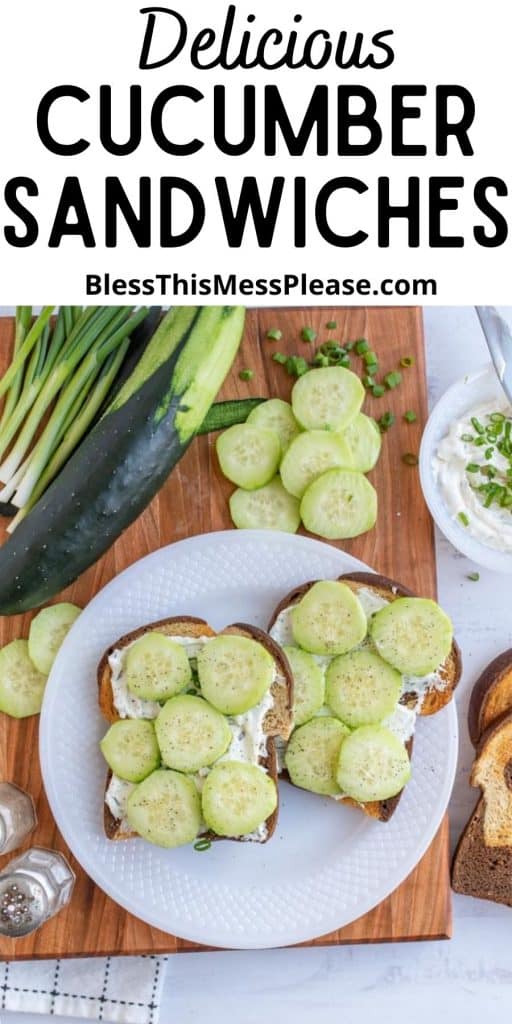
[125, 989]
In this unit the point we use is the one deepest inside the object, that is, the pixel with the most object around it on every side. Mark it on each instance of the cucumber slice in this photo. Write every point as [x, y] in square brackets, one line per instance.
[278, 416]
[339, 505]
[327, 398]
[361, 688]
[156, 667]
[373, 764]
[237, 798]
[364, 440]
[21, 685]
[308, 684]
[268, 508]
[165, 809]
[47, 632]
[413, 634]
[312, 755]
[191, 734]
[235, 673]
[311, 454]
[131, 750]
[329, 619]
[249, 456]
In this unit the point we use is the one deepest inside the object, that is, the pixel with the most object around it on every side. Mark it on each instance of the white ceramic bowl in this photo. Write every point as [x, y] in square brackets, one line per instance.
[472, 390]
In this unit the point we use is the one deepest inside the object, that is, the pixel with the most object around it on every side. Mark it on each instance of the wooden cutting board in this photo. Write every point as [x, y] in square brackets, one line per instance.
[401, 546]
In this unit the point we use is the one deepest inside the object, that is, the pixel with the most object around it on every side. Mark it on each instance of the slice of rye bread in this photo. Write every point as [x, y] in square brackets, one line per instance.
[277, 721]
[482, 863]
[434, 699]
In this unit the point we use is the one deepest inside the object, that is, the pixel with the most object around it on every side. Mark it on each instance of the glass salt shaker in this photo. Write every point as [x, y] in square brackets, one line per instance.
[17, 816]
[33, 888]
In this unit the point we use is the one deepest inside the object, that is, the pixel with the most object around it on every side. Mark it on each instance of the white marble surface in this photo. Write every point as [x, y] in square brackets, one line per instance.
[468, 978]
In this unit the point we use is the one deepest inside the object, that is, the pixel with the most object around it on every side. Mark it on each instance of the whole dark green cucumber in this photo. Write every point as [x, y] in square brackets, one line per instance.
[125, 459]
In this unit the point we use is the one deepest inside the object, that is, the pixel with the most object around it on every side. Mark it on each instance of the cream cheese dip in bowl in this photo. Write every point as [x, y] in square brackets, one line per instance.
[466, 471]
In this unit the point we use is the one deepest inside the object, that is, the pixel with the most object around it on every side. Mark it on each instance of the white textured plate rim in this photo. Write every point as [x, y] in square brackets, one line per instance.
[209, 934]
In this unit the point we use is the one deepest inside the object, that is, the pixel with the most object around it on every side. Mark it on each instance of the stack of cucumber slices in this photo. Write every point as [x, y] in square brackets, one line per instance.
[305, 461]
[351, 669]
[198, 765]
[25, 664]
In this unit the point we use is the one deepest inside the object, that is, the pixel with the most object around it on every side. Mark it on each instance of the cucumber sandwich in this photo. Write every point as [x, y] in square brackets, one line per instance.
[367, 658]
[193, 716]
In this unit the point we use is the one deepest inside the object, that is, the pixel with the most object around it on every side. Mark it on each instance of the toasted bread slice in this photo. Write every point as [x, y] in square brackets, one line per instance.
[425, 704]
[491, 698]
[277, 722]
[482, 865]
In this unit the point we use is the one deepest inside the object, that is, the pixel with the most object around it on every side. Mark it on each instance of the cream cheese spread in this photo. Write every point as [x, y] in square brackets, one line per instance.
[492, 526]
[116, 799]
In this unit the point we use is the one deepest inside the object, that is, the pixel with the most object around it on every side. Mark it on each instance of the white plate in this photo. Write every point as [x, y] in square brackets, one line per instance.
[474, 389]
[325, 865]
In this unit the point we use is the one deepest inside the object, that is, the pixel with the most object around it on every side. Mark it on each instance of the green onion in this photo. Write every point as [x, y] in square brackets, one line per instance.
[468, 438]
[463, 518]
[407, 361]
[362, 346]
[202, 845]
[474, 576]
[378, 390]
[410, 416]
[472, 467]
[392, 380]
[308, 334]
[331, 325]
[386, 421]
[246, 374]
[369, 382]
[370, 358]
[275, 334]
[410, 459]
[280, 358]
[497, 417]
[489, 453]
[321, 360]
[477, 425]
[296, 366]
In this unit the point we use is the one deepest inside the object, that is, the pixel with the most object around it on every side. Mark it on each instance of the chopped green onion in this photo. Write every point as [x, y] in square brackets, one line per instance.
[474, 576]
[370, 358]
[331, 325]
[308, 334]
[321, 360]
[463, 518]
[296, 366]
[392, 380]
[472, 467]
[407, 361]
[497, 417]
[480, 441]
[362, 346]
[468, 438]
[489, 453]
[202, 845]
[410, 459]
[378, 390]
[477, 425]
[349, 345]
[372, 369]
[369, 382]
[246, 374]
[275, 334]
[386, 421]
[280, 358]
[410, 416]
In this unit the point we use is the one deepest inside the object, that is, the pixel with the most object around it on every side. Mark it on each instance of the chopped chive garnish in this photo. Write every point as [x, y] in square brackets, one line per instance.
[378, 390]
[321, 360]
[410, 416]
[477, 425]
[410, 459]
[296, 366]
[392, 380]
[275, 334]
[279, 357]
[362, 346]
[407, 361]
[463, 518]
[308, 334]
[370, 358]
[489, 453]
[386, 421]
[246, 374]
[331, 325]
[369, 382]
[468, 438]
[472, 467]
[349, 345]
[202, 845]
[474, 576]
[497, 417]
[480, 441]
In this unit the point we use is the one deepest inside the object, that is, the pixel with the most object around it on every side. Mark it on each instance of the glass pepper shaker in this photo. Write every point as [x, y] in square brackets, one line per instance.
[17, 816]
[33, 888]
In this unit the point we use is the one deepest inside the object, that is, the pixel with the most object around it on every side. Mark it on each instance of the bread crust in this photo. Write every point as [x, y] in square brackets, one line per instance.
[433, 701]
[277, 722]
[491, 697]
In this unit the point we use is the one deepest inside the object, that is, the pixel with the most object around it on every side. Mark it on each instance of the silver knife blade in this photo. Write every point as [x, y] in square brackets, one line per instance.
[499, 342]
